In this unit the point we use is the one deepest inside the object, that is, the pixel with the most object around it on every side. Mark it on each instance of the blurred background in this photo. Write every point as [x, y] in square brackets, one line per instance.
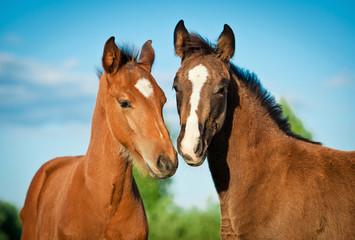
[302, 51]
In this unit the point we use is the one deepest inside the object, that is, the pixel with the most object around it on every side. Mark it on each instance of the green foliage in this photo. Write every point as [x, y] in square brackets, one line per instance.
[296, 124]
[10, 223]
[168, 221]
[152, 190]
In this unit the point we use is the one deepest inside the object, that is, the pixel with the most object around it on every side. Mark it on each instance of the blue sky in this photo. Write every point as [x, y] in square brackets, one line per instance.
[49, 50]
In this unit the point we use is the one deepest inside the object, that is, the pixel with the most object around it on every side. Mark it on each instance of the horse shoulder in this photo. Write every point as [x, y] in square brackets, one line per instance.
[337, 190]
[29, 211]
[314, 166]
[321, 187]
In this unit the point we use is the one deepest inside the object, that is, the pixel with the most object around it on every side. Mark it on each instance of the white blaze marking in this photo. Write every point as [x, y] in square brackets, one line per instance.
[145, 87]
[197, 76]
[161, 135]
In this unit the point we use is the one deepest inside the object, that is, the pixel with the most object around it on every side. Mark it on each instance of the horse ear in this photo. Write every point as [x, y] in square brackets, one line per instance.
[147, 56]
[111, 57]
[181, 35]
[226, 44]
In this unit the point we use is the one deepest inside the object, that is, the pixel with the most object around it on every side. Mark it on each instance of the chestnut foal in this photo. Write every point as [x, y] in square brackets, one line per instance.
[95, 196]
[272, 184]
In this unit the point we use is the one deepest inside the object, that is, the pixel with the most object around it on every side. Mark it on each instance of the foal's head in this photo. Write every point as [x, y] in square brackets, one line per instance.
[133, 108]
[201, 86]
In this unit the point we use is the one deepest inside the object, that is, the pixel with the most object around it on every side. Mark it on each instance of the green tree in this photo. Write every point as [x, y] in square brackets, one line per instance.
[10, 223]
[170, 222]
[296, 124]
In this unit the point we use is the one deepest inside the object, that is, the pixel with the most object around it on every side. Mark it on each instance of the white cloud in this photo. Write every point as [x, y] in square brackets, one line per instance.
[5, 58]
[40, 73]
[16, 94]
[340, 80]
[71, 63]
[34, 92]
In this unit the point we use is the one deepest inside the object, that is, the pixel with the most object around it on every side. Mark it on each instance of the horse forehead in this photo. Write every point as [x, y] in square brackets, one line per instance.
[144, 86]
[198, 72]
[209, 64]
[197, 75]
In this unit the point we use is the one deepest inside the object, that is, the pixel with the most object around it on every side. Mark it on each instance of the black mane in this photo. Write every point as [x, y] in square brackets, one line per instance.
[198, 45]
[128, 54]
[267, 101]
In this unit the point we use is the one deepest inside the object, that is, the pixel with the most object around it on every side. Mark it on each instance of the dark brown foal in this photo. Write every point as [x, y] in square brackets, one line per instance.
[272, 184]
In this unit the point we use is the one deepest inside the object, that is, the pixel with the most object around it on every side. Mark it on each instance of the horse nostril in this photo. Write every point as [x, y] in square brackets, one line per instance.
[199, 148]
[187, 157]
[164, 164]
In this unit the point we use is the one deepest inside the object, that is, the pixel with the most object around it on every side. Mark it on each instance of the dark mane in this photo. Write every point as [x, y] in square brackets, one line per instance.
[267, 101]
[99, 72]
[128, 54]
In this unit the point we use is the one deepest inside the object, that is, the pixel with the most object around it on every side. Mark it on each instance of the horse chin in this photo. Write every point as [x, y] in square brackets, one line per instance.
[197, 162]
[159, 175]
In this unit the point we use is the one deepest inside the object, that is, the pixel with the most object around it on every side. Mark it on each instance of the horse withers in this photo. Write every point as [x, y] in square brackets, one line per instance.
[272, 183]
[95, 196]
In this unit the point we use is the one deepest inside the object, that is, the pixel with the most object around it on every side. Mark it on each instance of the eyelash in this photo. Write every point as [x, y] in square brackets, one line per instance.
[222, 90]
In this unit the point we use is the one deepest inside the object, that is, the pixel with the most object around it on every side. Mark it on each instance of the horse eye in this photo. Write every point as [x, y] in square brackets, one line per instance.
[175, 88]
[222, 90]
[124, 104]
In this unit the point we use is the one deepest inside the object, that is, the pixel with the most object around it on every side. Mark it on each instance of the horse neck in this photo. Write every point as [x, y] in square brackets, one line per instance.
[240, 151]
[107, 169]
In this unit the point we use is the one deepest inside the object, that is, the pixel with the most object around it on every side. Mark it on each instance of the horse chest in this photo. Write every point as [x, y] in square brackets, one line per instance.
[129, 222]
[124, 221]
[87, 225]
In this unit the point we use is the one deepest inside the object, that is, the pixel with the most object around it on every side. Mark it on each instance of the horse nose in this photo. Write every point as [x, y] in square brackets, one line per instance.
[165, 165]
